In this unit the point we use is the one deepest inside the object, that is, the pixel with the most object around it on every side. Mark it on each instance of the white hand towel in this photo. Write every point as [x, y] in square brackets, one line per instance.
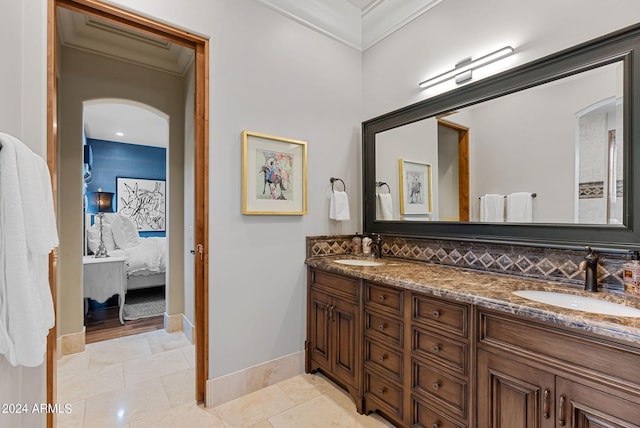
[492, 208]
[339, 206]
[385, 206]
[520, 207]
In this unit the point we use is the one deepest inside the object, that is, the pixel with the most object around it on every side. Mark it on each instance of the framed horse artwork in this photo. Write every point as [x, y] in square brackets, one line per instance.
[274, 175]
[415, 187]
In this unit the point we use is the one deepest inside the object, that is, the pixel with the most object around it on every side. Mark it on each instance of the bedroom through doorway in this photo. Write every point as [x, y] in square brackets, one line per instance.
[124, 167]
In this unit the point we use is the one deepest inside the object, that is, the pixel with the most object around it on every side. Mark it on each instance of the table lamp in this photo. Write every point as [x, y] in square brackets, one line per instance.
[99, 203]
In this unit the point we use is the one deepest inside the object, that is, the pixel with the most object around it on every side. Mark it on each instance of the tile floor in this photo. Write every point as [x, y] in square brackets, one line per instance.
[147, 380]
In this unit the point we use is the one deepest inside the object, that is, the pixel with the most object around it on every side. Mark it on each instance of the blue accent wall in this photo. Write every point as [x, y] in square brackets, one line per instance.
[111, 160]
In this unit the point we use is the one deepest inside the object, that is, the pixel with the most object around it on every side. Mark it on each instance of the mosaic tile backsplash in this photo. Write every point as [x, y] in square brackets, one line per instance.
[530, 262]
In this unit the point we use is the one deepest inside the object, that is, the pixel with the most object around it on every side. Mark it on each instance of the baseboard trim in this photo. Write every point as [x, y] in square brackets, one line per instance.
[72, 343]
[243, 382]
[172, 323]
[189, 329]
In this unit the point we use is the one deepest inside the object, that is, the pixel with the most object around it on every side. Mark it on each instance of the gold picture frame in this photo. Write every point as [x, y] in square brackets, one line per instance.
[274, 175]
[415, 187]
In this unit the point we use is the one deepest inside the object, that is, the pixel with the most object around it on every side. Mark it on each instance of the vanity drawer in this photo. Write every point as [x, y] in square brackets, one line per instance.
[385, 393]
[384, 298]
[443, 315]
[449, 392]
[384, 327]
[382, 358]
[609, 359]
[441, 350]
[424, 416]
[338, 285]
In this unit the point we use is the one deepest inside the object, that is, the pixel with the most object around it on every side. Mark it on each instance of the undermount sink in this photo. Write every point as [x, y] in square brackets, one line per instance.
[358, 262]
[579, 303]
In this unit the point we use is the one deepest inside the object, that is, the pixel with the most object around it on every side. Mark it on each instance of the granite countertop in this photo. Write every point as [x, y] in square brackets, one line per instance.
[493, 291]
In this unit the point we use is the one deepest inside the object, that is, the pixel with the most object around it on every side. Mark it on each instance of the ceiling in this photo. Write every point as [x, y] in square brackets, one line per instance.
[356, 23]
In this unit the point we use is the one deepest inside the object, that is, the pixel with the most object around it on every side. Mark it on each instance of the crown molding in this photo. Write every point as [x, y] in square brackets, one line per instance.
[384, 17]
[337, 19]
[344, 22]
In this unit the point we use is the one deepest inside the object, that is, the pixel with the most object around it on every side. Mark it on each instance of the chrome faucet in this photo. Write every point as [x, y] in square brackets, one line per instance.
[590, 267]
[376, 245]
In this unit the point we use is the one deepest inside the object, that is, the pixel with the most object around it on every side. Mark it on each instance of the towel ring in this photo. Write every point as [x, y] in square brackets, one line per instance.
[333, 179]
[382, 183]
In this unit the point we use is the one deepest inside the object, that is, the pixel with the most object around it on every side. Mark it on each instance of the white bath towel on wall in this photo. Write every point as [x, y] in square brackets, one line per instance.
[492, 208]
[339, 206]
[27, 235]
[520, 207]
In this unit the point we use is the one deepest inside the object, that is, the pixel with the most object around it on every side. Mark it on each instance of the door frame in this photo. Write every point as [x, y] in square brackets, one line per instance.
[200, 45]
[463, 167]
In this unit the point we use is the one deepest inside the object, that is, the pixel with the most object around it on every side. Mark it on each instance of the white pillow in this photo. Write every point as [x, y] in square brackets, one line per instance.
[93, 237]
[125, 232]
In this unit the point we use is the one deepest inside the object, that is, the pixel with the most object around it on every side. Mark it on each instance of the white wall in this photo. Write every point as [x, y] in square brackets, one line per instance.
[268, 74]
[23, 114]
[457, 29]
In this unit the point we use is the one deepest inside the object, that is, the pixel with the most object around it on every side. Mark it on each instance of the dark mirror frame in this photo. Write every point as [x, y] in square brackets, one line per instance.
[621, 45]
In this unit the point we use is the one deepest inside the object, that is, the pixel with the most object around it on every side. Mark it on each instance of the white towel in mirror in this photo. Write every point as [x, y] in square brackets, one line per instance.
[520, 207]
[492, 208]
[339, 206]
[385, 207]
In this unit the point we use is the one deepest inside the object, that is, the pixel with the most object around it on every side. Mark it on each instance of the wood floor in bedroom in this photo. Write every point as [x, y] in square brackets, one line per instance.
[102, 321]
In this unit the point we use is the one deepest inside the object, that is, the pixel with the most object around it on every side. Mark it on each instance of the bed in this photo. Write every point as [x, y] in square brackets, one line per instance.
[146, 257]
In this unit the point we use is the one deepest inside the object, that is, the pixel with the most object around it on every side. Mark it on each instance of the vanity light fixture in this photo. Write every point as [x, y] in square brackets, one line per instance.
[462, 71]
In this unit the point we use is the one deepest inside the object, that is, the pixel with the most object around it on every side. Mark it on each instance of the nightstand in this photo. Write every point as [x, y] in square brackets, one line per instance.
[104, 277]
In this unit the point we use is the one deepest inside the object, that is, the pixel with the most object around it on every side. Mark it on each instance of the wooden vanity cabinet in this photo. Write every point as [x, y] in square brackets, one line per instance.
[429, 362]
[534, 375]
[417, 353]
[441, 381]
[334, 330]
[384, 354]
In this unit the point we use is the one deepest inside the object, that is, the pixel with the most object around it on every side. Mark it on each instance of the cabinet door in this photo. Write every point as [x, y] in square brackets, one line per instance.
[319, 329]
[581, 406]
[512, 394]
[345, 352]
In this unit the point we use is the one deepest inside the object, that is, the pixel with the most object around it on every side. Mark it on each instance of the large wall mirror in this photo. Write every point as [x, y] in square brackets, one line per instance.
[540, 154]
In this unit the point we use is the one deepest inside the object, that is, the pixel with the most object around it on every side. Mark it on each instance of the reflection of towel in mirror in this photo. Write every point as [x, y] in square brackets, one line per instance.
[492, 208]
[385, 206]
[520, 207]
[339, 206]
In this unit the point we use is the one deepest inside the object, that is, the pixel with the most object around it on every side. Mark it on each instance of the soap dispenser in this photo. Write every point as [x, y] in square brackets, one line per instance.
[631, 273]
[356, 244]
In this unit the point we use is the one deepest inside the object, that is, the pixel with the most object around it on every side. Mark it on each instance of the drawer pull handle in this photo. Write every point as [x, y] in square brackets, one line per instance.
[436, 425]
[561, 417]
[436, 348]
[381, 327]
[545, 410]
[381, 358]
[436, 385]
[436, 314]
[382, 390]
[382, 298]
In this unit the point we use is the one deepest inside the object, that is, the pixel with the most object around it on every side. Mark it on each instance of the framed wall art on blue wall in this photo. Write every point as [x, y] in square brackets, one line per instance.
[143, 201]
